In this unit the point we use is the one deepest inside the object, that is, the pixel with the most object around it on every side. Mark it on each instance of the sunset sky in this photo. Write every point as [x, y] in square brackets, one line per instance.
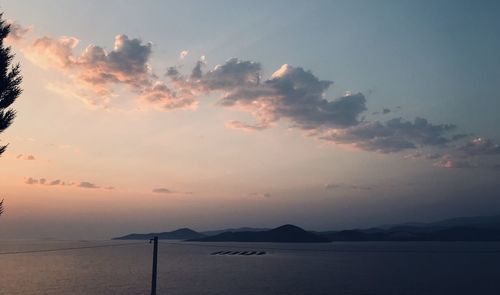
[150, 116]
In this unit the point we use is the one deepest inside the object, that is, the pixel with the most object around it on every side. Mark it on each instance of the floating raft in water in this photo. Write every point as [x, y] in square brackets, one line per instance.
[244, 253]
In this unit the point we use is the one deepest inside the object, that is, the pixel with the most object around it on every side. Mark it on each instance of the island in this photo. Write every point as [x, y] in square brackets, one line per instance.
[284, 234]
[478, 228]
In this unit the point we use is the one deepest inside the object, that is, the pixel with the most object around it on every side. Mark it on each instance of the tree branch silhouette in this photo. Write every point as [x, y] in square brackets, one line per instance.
[10, 81]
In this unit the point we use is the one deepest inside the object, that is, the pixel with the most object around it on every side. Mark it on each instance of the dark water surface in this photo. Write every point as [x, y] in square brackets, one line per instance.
[188, 268]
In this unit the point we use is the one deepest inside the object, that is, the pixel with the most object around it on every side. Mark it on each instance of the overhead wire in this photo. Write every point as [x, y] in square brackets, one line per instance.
[68, 248]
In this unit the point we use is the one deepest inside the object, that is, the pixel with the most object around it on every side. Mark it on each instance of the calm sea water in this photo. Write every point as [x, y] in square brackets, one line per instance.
[336, 268]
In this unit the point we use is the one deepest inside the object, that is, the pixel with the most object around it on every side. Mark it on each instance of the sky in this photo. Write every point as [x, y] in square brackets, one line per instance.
[150, 116]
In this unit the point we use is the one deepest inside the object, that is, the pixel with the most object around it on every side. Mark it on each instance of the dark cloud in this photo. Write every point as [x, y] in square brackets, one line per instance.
[260, 194]
[58, 182]
[334, 186]
[460, 136]
[55, 182]
[26, 157]
[196, 73]
[477, 152]
[85, 184]
[291, 93]
[172, 72]
[429, 156]
[127, 63]
[162, 190]
[479, 147]
[31, 181]
[298, 95]
[245, 126]
[449, 162]
[392, 136]
[233, 74]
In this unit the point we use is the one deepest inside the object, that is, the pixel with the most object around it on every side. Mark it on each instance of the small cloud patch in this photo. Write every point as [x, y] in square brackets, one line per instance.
[58, 182]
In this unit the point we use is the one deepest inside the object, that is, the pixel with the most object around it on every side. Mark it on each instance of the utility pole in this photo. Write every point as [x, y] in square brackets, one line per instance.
[155, 264]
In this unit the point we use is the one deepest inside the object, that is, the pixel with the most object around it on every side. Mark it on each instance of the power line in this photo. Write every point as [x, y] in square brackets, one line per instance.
[68, 249]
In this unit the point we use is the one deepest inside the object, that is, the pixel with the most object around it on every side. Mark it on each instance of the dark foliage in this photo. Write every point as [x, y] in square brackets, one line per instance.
[10, 80]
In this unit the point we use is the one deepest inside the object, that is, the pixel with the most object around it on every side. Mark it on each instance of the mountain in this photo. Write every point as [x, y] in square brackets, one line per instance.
[474, 221]
[216, 232]
[417, 234]
[479, 228]
[284, 234]
[180, 234]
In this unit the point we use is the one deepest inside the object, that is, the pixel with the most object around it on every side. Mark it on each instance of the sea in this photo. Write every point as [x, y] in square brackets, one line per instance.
[125, 267]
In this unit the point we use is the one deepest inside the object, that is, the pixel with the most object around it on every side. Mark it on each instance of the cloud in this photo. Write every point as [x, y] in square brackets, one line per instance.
[476, 152]
[334, 186]
[162, 190]
[244, 126]
[298, 96]
[31, 181]
[85, 184]
[480, 146]
[49, 52]
[392, 136]
[26, 157]
[448, 162]
[55, 182]
[260, 194]
[429, 156]
[232, 74]
[17, 31]
[98, 70]
[160, 95]
[58, 182]
[183, 54]
[291, 94]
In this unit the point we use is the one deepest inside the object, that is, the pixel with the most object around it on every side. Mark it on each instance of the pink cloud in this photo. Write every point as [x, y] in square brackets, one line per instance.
[98, 70]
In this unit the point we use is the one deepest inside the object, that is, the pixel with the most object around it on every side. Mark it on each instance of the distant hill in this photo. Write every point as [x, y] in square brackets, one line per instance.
[283, 234]
[216, 232]
[180, 234]
[475, 221]
[480, 228]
